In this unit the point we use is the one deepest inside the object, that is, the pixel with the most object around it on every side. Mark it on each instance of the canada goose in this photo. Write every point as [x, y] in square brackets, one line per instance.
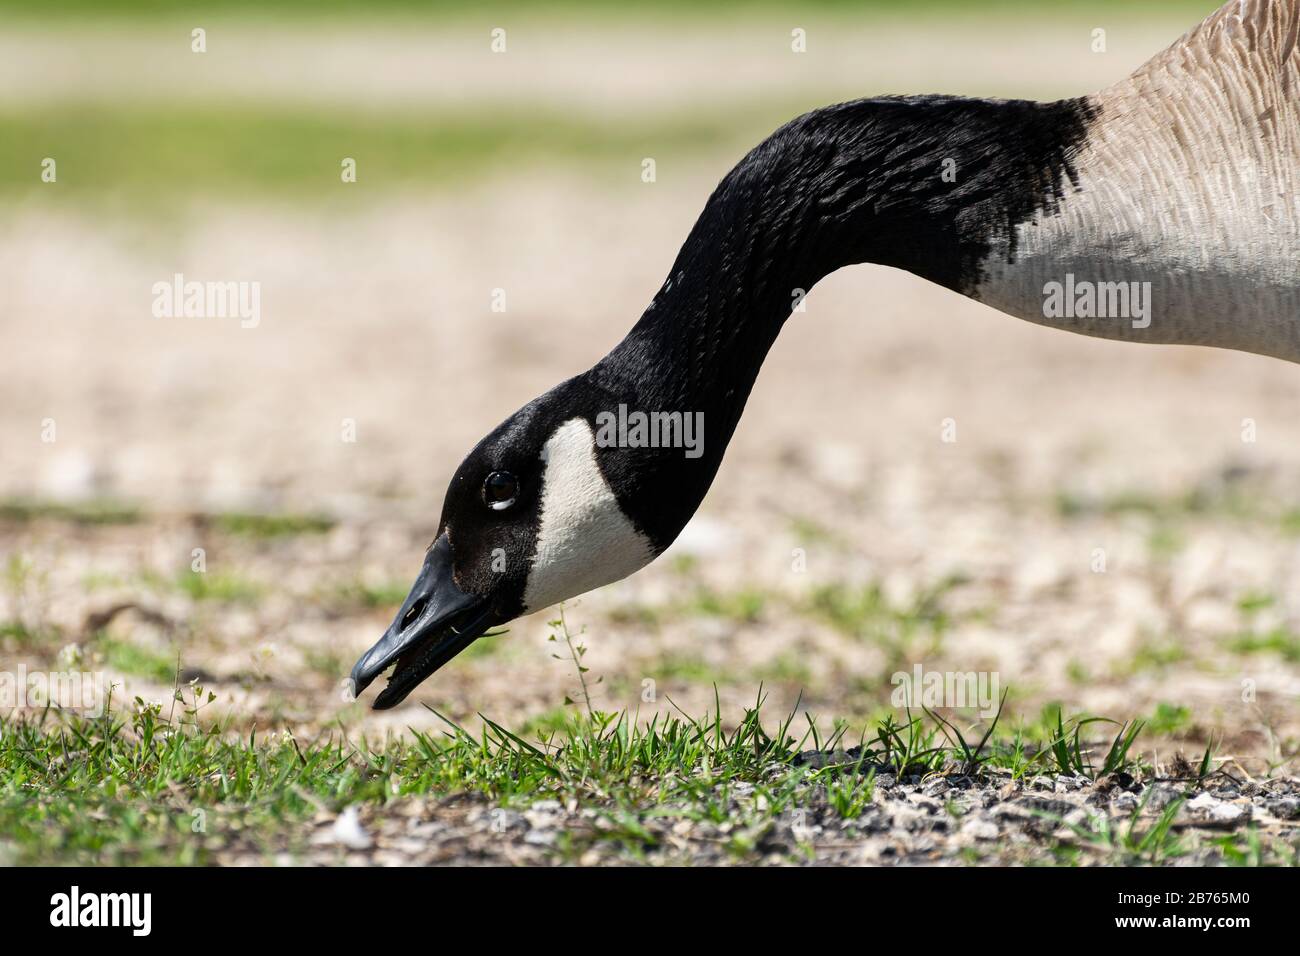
[1163, 209]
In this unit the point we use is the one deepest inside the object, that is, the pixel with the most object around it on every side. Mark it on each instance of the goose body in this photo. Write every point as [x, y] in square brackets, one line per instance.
[1165, 209]
[1187, 178]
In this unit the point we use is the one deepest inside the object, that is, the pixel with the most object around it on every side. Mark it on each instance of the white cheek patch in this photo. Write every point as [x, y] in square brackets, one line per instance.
[583, 539]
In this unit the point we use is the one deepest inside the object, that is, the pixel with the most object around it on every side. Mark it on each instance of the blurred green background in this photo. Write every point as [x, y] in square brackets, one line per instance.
[113, 91]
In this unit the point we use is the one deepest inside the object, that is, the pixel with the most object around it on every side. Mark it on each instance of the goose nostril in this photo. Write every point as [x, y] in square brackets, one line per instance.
[414, 613]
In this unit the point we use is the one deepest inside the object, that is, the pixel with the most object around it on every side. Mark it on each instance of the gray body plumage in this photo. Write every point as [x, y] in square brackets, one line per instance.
[1189, 180]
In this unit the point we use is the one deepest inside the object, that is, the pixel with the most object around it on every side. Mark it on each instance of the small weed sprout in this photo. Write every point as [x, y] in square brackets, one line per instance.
[972, 757]
[1132, 842]
[908, 748]
[198, 698]
[1073, 757]
[848, 791]
[577, 651]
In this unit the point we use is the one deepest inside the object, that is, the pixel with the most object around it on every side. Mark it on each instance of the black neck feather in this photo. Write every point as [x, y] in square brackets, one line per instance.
[858, 182]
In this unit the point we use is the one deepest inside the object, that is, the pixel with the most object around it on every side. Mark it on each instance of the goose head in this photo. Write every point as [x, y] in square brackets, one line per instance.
[543, 509]
[551, 504]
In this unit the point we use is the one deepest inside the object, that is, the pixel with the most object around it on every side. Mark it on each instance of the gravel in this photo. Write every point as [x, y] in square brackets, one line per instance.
[991, 819]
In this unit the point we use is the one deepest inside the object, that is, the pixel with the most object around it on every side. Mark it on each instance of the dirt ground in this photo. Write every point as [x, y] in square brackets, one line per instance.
[1063, 446]
[1115, 528]
[937, 821]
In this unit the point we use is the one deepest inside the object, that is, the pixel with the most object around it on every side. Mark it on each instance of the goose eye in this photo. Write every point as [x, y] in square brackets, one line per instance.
[500, 490]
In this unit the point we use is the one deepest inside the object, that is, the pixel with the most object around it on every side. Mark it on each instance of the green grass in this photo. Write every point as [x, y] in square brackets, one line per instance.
[1136, 840]
[679, 667]
[902, 630]
[686, 668]
[96, 512]
[1252, 639]
[1229, 501]
[745, 606]
[789, 667]
[93, 512]
[115, 790]
[128, 787]
[278, 525]
[865, 611]
[1069, 755]
[19, 633]
[171, 153]
[166, 155]
[1153, 654]
[138, 661]
[218, 586]
[1170, 719]
[811, 531]
[1243, 500]
[1279, 641]
[24, 589]
[387, 595]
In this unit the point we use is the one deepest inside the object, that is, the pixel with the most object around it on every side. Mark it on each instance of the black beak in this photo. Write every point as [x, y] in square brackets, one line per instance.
[437, 621]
